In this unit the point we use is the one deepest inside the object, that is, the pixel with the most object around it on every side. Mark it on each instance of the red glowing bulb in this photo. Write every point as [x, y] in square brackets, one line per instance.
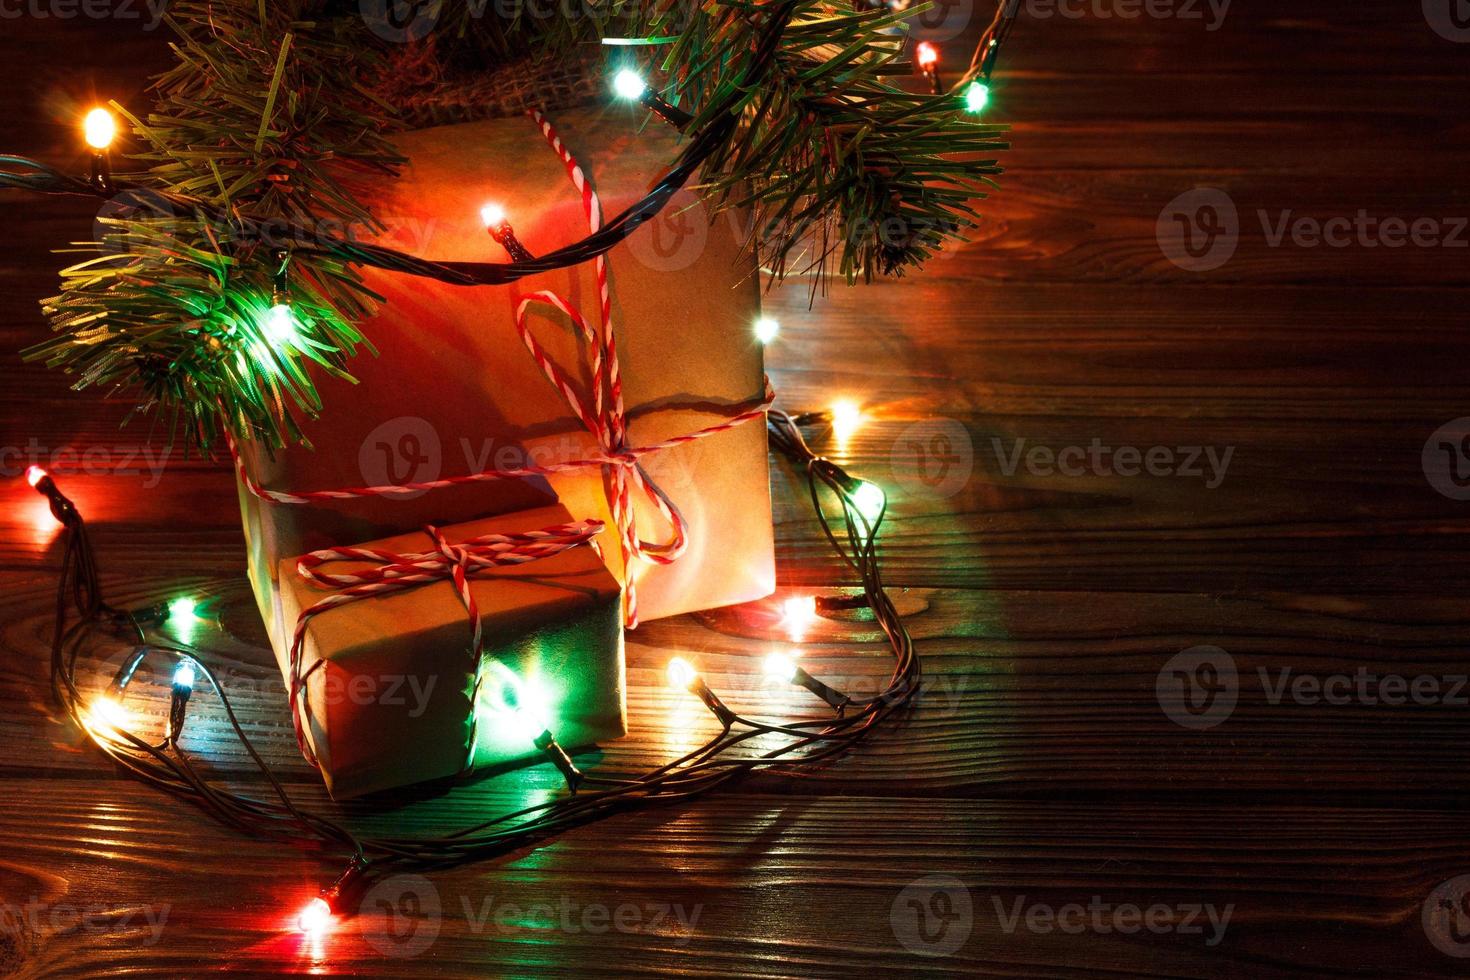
[927, 55]
[34, 475]
[315, 917]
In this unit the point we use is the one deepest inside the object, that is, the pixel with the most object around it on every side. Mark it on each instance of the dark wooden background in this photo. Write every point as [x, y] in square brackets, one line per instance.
[1041, 767]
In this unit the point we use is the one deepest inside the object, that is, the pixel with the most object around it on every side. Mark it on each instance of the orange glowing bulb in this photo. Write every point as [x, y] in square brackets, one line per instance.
[847, 419]
[34, 475]
[99, 128]
[927, 55]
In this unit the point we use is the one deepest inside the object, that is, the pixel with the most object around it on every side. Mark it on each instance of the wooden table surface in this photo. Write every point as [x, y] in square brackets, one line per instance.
[1039, 812]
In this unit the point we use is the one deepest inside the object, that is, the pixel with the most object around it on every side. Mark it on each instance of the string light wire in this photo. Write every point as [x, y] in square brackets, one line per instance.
[731, 754]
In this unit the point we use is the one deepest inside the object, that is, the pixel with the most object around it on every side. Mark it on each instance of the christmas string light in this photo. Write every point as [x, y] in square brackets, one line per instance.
[628, 84]
[977, 97]
[700, 771]
[180, 690]
[497, 223]
[99, 129]
[767, 329]
[847, 418]
[722, 120]
[780, 667]
[512, 702]
[683, 676]
[926, 57]
[799, 615]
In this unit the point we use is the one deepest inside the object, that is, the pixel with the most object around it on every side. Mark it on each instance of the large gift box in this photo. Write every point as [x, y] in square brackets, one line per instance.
[454, 390]
[393, 693]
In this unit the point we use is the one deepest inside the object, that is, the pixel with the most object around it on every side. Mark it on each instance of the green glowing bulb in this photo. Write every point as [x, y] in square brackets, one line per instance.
[280, 326]
[184, 607]
[869, 500]
[977, 97]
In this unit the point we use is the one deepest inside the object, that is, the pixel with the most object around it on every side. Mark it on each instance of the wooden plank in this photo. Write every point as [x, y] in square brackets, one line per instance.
[766, 886]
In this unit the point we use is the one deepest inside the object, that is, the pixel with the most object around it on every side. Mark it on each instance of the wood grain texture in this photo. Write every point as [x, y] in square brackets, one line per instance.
[1038, 768]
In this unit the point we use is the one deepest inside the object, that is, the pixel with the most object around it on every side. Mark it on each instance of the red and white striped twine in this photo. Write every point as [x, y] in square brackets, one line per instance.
[393, 572]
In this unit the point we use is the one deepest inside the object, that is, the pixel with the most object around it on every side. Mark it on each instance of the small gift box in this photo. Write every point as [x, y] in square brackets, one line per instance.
[455, 391]
[431, 654]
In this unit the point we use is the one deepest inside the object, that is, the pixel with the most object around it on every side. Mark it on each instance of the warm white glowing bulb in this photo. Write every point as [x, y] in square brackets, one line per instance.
[869, 500]
[99, 128]
[766, 329]
[629, 84]
[681, 673]
[779, 667]
[801, 613]
[847, 419]
[107, 715]
[493, 215]
[977, 96]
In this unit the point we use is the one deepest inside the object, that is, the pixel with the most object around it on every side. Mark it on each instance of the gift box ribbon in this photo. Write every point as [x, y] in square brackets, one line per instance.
[603, 414]
[390, 572]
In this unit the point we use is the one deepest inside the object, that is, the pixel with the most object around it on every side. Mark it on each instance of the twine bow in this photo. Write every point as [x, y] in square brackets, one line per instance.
[392, 572]
[605, 418]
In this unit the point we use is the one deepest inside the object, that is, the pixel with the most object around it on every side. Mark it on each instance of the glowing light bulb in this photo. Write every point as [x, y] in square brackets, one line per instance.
[801, 614]
[927, 55]
[493, 215]
[628, 84]
[316, 917]
[977, 97]
[766, 329]
[184, 676]
[34, 475]
[184, 607]
[869, 500]
[107, 715]
[99, 128]
[682, 674]
[847, 419]
[280, 325]
[779, 667]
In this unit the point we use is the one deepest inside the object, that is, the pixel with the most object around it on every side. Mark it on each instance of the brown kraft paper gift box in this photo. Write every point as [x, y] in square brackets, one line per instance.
[454, 390]
[392, 702]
